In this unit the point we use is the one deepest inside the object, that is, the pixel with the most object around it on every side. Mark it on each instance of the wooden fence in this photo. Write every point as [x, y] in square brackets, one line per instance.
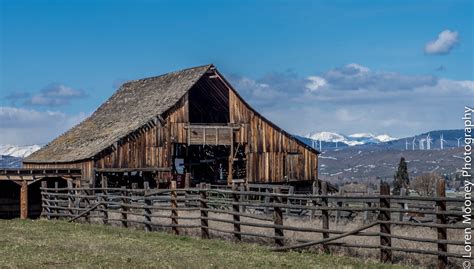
[243, 214]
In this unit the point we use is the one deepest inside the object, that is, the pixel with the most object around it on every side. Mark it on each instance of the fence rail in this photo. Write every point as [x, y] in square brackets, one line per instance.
[271, 216]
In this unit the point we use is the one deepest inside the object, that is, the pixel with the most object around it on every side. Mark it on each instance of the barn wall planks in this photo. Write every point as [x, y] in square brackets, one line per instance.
[87, 167]
[268, 148]
[151, 146]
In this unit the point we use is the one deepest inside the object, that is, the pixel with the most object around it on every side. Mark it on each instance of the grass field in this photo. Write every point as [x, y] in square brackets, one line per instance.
[58, 244]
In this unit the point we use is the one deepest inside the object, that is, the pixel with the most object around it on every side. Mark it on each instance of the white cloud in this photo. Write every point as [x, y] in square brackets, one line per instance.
[21, 126]
[315, 82]
[443, 44]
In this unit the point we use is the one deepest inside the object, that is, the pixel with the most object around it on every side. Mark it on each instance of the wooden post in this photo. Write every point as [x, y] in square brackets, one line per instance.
[267, 201]
[288, 200]
[104, 200]
[325, 213]
[204, 213]
[315, 192]
[87, 204]
[148, 203]
[187, 180]
[339, 204]
[56, 203]
[24, 200]
[124, 208]
[385, 241]
[440, 219]
[45, 204]
[368, 213]
[174, 206]
[70, 198]
[236, 210]
[231, 158]
[402, 204]
[278, 218]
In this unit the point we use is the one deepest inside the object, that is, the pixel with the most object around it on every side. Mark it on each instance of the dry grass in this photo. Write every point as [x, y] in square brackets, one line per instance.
[58, 244]
[409, 259]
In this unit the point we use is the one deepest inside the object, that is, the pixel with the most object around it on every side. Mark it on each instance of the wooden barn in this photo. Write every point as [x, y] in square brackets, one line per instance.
[191, 126]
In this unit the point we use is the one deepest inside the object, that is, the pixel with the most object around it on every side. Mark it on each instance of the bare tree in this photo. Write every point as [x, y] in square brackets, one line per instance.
[425, 185]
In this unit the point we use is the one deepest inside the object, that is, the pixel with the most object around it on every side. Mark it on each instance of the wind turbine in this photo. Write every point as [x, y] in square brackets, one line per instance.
[413, 143]
[428, 142]
[406, 144]
[441, 141]
[422, 144]
[458, 141]
[320, 146]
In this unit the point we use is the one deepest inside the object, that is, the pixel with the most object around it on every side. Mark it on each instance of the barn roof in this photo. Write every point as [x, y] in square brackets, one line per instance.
[133, 105]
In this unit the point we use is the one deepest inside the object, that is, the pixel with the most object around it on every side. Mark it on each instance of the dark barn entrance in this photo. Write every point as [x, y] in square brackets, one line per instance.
[209, 163]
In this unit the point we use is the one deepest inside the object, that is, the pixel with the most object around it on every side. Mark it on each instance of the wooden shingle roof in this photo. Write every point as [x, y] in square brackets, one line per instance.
[133, 105]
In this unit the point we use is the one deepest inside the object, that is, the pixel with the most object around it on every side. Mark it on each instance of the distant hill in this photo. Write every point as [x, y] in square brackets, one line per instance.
[334, 140]
[372, 160]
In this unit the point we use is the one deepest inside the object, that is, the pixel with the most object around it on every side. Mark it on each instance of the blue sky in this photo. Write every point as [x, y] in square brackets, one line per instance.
[344, 66]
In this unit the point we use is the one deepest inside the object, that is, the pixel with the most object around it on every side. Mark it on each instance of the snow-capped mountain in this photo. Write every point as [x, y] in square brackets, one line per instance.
[350, 140]
[18, 151]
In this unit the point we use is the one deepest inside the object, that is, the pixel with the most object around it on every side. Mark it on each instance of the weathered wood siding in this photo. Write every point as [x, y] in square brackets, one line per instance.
[87, 167]
[268, 148]
[150, 146]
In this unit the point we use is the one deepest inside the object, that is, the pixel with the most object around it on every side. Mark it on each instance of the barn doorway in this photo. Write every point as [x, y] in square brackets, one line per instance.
[9, 200]
[209, 163]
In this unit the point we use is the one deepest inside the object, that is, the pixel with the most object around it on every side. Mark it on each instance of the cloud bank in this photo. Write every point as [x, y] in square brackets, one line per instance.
[22, 126]
[53, 95]
[354, 98]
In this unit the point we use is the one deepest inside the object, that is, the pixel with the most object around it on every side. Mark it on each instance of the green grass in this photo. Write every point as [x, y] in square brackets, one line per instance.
[46, 244]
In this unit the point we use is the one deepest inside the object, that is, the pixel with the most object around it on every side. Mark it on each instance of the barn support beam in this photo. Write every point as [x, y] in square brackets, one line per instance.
[231, 159]
[24, 200]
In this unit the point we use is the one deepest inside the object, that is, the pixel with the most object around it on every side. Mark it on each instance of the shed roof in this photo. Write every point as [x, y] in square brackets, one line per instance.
[133, 105]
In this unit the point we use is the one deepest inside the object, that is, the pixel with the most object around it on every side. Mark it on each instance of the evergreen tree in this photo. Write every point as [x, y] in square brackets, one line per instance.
[401, 179]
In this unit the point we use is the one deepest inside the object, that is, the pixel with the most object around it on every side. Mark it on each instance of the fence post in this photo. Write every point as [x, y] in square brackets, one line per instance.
[278, 217]
[367, 213]
[384, 215]
[70, 198]
[440, 219]
[56, 203]
[315, 192]
[148, 204]
[403, 192]
[46, 210]
[204, 213]
[242, 199]
[291, 190]
[325, 213]
[123, 207]
[339, 204]
[267, 201]
[236, 211]
[104, 200]
[174, 206]
[88, 203]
